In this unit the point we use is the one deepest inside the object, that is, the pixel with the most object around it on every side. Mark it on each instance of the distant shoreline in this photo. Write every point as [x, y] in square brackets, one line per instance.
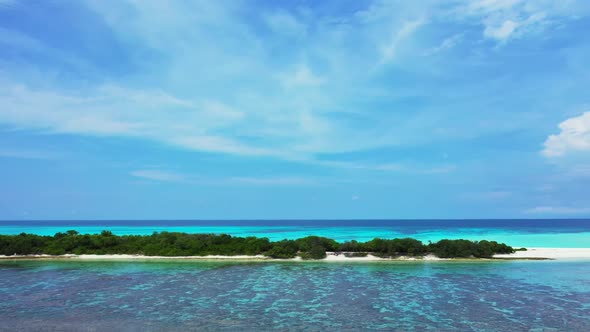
[530, 254]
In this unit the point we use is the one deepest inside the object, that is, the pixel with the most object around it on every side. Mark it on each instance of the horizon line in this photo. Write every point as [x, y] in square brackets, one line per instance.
[300, 219]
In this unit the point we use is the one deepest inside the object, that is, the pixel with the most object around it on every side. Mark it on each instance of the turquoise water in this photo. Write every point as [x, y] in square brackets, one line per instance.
[525, 233]
[213, 296]
[176, 295]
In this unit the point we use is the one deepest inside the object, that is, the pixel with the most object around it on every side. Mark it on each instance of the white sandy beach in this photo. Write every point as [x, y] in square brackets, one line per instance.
[208, 257]
[550, 253]
[531, 253]
[331, 257]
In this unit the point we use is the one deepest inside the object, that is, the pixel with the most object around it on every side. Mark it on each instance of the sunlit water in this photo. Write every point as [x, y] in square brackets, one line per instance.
[313, 296]
[420, 296]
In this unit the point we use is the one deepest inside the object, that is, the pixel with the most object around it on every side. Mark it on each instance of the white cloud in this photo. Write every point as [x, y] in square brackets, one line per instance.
[302, 76]
[438, 169]
[446, 44]
[192, 179]
[574, 137]
[501, 32]
[116, 111]
[217, 84]
[503, 20]
[410, 168]
[271, 181]
[158, 175]
[207, 80]
[193, 125]
[565, 210]
[389, 50]
[220, 144]
[492, 5]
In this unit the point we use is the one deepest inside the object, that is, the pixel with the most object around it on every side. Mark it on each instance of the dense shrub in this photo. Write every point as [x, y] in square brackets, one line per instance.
[465, 248]
[315, 252]
[182, 244]
[309, 242]
[283, 249]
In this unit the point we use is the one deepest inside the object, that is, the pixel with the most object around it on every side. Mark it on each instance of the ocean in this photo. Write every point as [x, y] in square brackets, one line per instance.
[294, 296]
[180, 295]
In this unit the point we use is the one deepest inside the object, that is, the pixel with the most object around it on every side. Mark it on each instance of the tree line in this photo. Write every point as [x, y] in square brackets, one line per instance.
[183, 244]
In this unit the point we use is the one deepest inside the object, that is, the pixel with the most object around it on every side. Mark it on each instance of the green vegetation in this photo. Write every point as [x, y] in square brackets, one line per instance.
[465, 248]
[182, 244]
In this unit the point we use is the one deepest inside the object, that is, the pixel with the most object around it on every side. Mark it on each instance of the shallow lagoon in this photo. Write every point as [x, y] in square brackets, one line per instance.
[404, 296]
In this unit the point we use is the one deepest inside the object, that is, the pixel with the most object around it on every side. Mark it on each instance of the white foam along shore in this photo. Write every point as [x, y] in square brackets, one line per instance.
[549, 253]
[531, 253]
[330, 257]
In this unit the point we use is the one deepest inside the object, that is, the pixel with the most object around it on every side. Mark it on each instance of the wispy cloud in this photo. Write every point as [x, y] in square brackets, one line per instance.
[389, 49]
[305, 86]
[282, 116]
[405, 93]
[302, 76]
[446, 44]
[487, 196]
[193, 179]
[116, 111]
[502, 31]
[503, 20]
[27, 154]
[158, 175]
[564, 210]
[275, 98]
[401, 167]
[271, 181]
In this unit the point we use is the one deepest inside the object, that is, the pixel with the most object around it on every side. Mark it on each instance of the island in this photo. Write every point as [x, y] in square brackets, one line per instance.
[173, 244]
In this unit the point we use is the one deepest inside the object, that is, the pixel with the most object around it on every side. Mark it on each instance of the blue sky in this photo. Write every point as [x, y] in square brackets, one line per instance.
[294, 109]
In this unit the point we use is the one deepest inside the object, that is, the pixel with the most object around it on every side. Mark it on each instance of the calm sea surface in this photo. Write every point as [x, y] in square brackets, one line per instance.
[304, 296]
[171, 295]
[565, 233]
